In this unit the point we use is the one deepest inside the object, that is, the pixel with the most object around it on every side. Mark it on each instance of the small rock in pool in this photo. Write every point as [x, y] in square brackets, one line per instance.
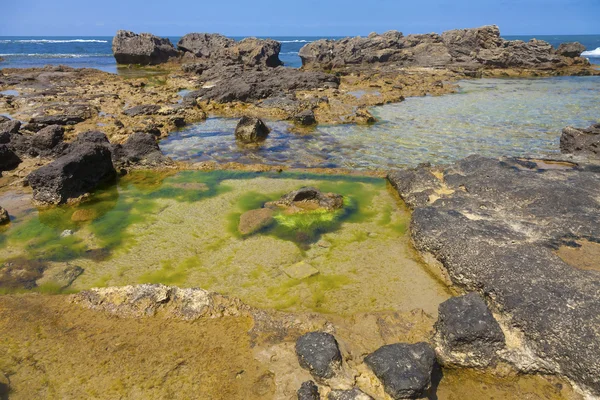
[308, 391]
[255, 220]
[352, 394]
[404, 369]
[66, 233]
[4, 218]
[319, 353]
[300, 270]
[83, 215]
[251, 130]
[305, 118]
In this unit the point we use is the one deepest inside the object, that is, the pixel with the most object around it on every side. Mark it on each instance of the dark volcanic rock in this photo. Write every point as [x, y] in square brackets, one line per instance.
[215, 48]
[148, 109]
[404, 369]
[472, 48]
[139, 148]
[91, 137]
[8, 159]
[144, 49]
[467, 333]
[235, 84]
[573, 49]
[80, 171]
[352, 394]
[305, 118]
[318, 352]
[48, 141]
[251, 130]
[495, 232]
[308, 391]
[37, 123]
[581, 141]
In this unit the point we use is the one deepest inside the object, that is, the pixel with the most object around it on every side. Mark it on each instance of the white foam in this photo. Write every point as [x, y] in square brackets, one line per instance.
[50, 55]
[591, 53]
[289, 52]
[41, 41]
[295, 41]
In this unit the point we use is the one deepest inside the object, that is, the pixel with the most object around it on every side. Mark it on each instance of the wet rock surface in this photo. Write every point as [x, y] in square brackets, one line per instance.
[308, 391]
[139, 149]
[471, 48]
[4, 217]
[467, 333]
[352, 394]
[251, 130]
[305, 118]
[495, 227]
[144, 49]
[318, 352]
[581, 141]
[404, 369]
[308, 198]
[80, 171]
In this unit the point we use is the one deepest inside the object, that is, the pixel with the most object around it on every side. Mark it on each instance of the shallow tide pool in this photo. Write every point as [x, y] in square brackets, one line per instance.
[182, 229]
[491, 117]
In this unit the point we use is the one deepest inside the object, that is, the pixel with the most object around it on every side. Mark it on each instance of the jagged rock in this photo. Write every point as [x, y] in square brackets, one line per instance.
[496, 229]
[255, 220]
[80, 171]
[463, 43]
[8, 159]
[147, 109]
[215, 48]
[10, 126]
[305, 118]
[251, 130]
[467, 333]
[139, 148]
[318, 352]
[48, 141]
[4, 217]
[234, 83]
[352, 394]
[404, 369]
[581, 141]
[308, 391]
[572, 49]
[144, 49]
[308, 198]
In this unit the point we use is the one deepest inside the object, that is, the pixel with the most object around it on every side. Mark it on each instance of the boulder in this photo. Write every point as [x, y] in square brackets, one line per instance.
[352, 394]
[251, 130]
[8, 159]
[308, 391]
[91, 137]
[581, 141]
[4, 217]
[139, 148]
[255, 52]
[254, 220]
[305, 118]
[147, 109]
[308, 199]
[571, 49]
[9, 126]
[143, 49]
[206, 45]
[48, 141]
[404, 369]
[83, 169]
[467, 333]
[318, 352]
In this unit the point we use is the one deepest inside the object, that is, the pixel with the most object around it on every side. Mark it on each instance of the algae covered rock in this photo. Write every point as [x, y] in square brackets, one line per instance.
[255, 220]
[308, 199]
[251, 130]
[319, 353]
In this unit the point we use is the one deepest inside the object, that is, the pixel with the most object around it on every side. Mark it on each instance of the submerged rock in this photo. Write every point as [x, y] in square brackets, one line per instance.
[404, 369]
[80, 171]
[61, 276]
[255, 220]
[251, 130]
[308, 199]
[301, 270]
[352, 394]
[467, 333]
[308, 391]
[4, 217]
[581, 141]
[143, 49]
[318, 352]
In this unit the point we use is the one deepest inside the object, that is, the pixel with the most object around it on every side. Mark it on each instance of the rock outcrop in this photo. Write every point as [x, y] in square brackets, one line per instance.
[80, 171]
[572, 49]
[251, 130]
[466, 332]
[499, 227]
[472, 48]
[581, 141]
[143, 49]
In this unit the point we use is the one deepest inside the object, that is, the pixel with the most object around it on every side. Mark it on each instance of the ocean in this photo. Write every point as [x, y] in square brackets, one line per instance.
[95, 52]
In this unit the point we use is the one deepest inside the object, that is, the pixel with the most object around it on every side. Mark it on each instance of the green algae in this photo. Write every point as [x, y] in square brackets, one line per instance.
[171, 274]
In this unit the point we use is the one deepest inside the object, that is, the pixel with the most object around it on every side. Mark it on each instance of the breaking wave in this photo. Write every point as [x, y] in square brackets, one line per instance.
[295, 41]
[591, 53]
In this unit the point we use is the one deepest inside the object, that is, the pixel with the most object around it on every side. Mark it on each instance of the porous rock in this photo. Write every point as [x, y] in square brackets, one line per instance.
[581, 141]
[308, 391]
[319, 353]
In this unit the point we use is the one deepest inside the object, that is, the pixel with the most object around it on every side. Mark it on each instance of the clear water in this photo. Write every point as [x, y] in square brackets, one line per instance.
[489, 116]
[96, 51]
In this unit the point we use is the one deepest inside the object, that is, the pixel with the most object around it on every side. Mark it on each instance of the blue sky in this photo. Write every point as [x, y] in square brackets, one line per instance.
[301, 17]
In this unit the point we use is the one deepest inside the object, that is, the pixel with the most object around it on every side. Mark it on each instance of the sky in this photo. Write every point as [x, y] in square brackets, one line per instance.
[297, 18]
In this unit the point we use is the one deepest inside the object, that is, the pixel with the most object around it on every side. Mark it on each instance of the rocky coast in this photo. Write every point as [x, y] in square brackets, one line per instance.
[477, 279]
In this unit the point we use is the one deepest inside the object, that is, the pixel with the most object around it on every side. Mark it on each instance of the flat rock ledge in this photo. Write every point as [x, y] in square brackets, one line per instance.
[497, 226]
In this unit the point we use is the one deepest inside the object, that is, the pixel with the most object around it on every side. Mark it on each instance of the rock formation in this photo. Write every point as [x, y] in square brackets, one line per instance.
[143, 49]
[581, 141]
